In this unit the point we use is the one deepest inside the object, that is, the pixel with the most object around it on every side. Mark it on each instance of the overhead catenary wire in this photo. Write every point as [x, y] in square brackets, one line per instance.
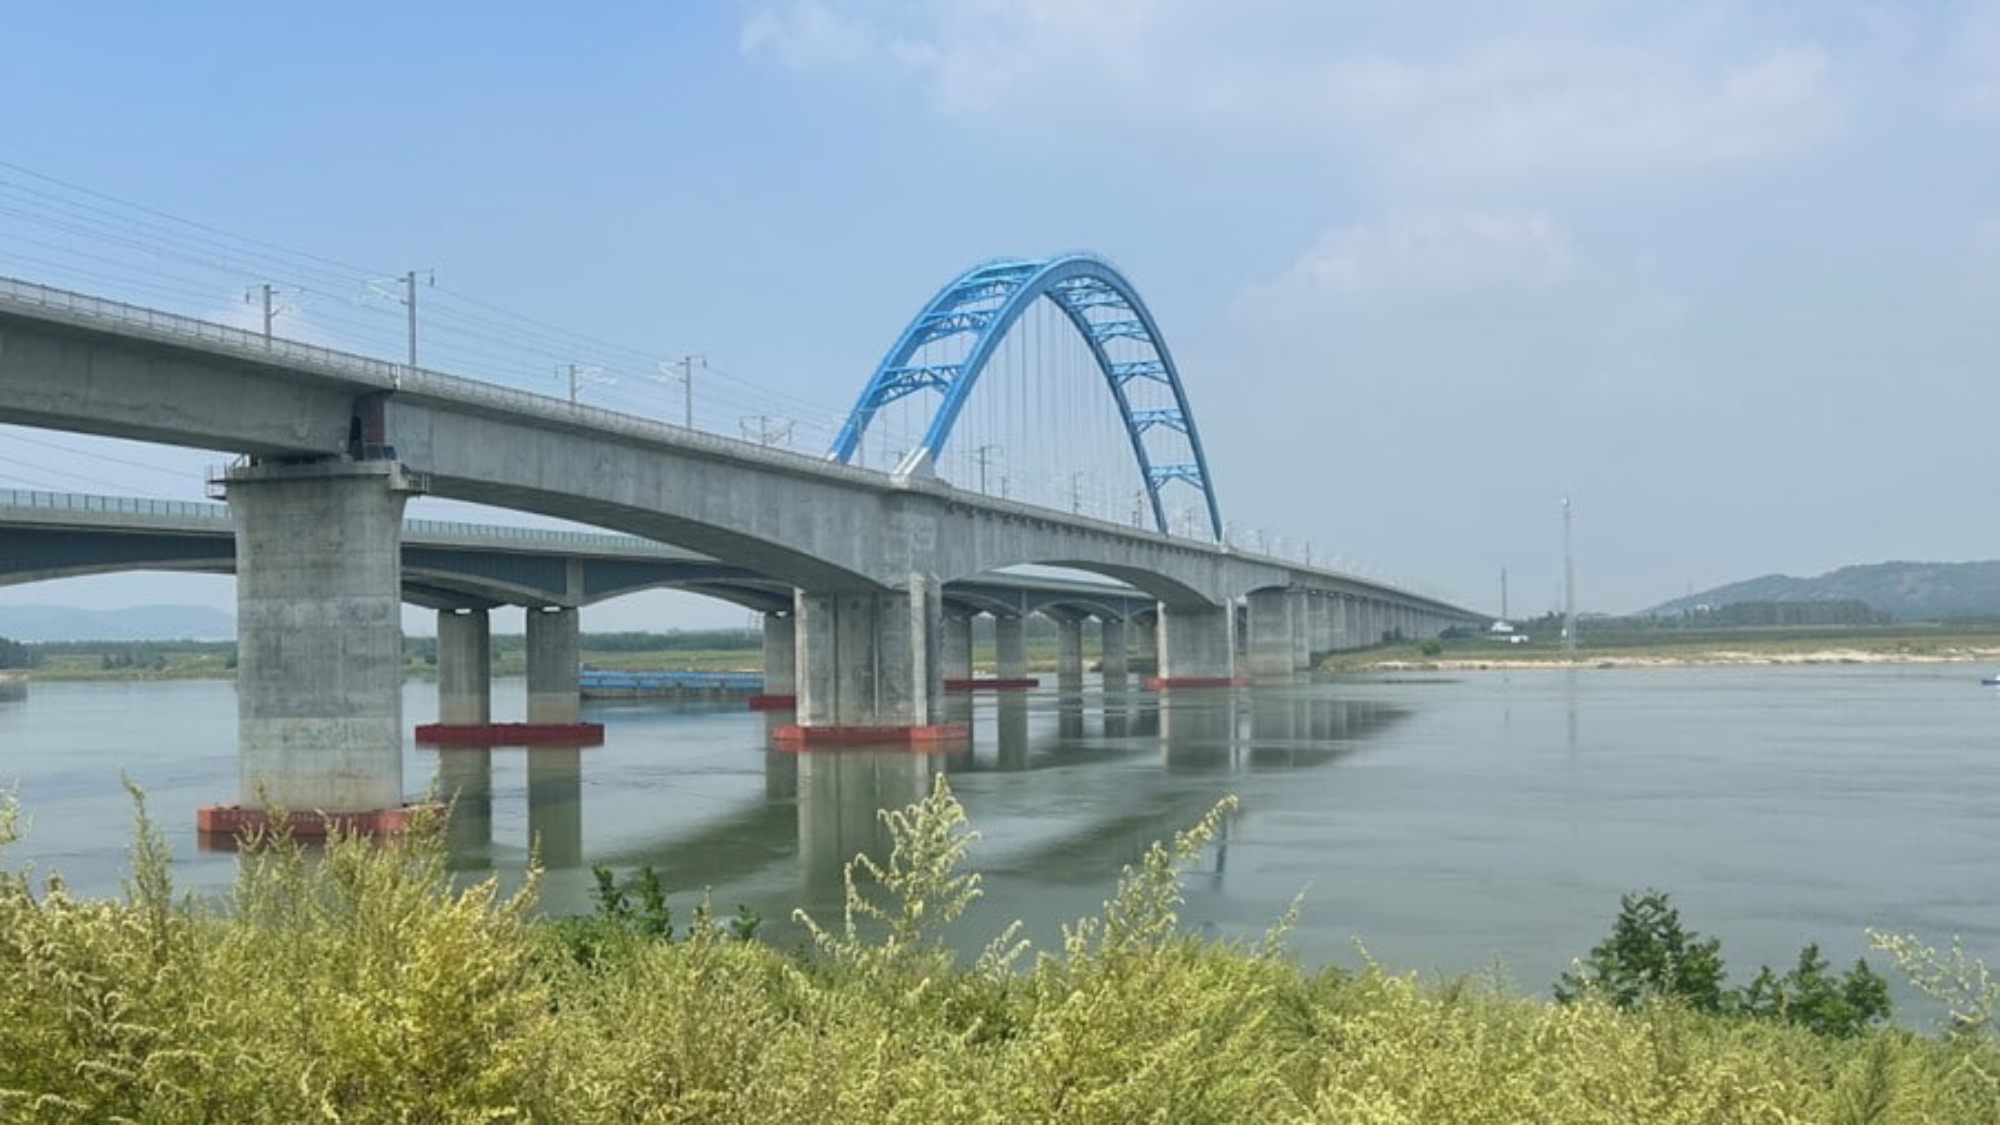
[1041, 423]
[92, 239]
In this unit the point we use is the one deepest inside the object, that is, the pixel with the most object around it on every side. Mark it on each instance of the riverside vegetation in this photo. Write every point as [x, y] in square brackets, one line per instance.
[356, 985]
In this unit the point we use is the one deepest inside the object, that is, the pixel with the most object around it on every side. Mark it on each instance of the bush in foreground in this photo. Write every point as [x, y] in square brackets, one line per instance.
[358, 986]
[1649, 956]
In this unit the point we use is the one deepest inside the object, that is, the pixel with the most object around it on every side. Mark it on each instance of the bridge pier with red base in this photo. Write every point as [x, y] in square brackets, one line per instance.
[555, 651]
[487, 735]
[319, 645]
[781, 664]
[869, 666]
[465, 666]
[219, 825]
[793, 736]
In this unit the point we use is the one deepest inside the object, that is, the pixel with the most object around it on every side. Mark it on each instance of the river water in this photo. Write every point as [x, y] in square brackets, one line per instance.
[1447, 822]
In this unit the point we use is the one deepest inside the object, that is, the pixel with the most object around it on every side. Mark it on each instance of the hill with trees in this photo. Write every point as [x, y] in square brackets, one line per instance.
[1899, 591]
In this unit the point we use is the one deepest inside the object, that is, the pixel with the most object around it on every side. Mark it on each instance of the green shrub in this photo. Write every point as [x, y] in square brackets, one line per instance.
[1650, 956]
[1647, 955]
[355, 985]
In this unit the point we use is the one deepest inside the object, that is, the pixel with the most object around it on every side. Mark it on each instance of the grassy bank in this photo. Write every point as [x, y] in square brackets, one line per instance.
[357, 986]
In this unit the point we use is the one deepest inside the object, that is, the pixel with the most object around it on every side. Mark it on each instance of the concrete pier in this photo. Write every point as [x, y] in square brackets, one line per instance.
[1197, 646]
[1069, 651]
[869, 666]
[1319, 629]
[1277, 636]
[319, 685]
[465, 666]
[1146, 642]
[1114, 665]
[1010, 647]
[957, 648]
[554, 650]
[781, 664]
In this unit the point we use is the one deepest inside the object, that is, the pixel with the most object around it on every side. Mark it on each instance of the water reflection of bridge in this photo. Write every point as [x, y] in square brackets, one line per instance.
[820, 807]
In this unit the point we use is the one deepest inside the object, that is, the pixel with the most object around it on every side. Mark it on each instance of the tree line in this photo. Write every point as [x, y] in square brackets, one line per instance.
[14, 654]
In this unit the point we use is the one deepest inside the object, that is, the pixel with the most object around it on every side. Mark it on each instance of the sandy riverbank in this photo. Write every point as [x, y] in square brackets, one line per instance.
[1688, 660]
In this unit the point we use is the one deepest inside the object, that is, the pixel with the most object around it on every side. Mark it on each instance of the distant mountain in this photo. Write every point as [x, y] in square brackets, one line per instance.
[1906, 591]
[139, 623]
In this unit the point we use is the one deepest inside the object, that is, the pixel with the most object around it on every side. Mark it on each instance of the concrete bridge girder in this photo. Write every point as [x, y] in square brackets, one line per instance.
[798, 520]
[780, 516]
[70, 371]
[792, 517]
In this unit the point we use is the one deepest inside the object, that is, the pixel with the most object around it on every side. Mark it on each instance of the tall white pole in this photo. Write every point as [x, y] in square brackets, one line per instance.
[687, 388]
[410, 305]
[1569, 587]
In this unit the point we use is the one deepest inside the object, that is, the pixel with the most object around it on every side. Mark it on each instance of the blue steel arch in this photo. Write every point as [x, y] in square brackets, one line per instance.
[984, 302]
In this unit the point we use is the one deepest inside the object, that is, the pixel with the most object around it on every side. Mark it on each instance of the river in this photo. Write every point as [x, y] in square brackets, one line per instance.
[1448, 822]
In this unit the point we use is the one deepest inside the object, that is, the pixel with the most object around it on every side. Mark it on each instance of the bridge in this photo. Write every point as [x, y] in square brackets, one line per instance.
[332, 445]
[463, 570]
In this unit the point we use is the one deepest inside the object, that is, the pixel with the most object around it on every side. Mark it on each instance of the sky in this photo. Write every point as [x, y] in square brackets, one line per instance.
[1726, 275]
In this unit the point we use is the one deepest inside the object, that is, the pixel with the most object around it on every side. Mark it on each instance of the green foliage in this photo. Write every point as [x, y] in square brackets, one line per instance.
[355, 985]
[919, 892]
[1810, 997]
[148, 658]
[649, 917]
[349, 985]
[14, 654]
[637, 911]
[679, 640]
[1431, 646]
[1649, 954]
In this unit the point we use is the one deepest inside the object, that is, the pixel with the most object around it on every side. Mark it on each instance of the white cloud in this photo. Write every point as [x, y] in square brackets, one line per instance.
[975, 57]
[813, 36]
[1593, 93]
[1425, 252]
[1586, 108]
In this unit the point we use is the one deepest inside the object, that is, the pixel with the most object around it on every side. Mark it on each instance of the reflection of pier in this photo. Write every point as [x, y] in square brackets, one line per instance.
[1217, 733]
[555, 805]
[840, 797]
[820, 808]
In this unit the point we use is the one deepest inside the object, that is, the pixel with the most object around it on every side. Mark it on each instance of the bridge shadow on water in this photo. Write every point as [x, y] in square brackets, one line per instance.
[1066, 784]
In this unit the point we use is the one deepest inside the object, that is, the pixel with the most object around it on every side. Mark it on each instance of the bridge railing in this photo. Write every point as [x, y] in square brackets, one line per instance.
[175, 326]
[117, 505]
[17, 498]
[541, 535]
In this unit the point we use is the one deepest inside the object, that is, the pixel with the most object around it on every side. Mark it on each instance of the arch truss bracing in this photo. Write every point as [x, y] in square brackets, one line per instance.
[975, 312]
